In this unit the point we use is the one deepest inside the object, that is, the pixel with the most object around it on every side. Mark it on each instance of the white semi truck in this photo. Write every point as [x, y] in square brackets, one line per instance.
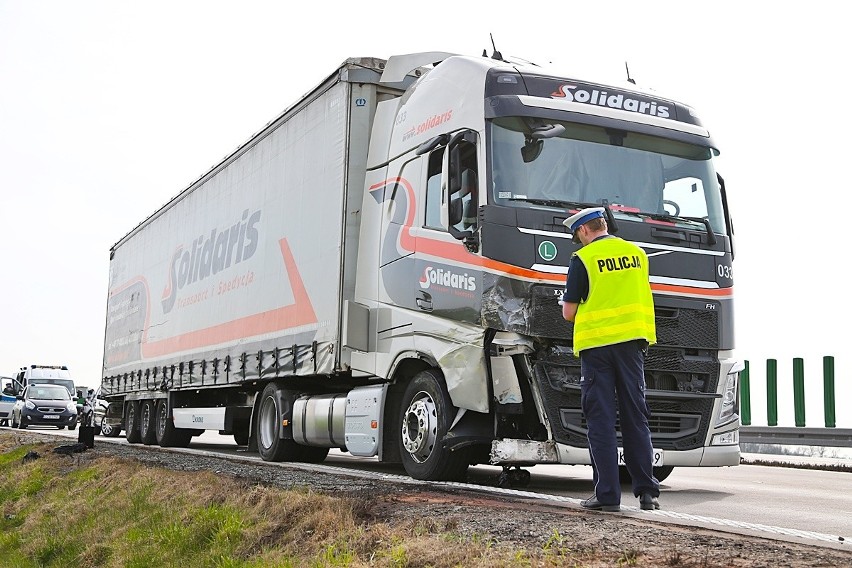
[379, 268]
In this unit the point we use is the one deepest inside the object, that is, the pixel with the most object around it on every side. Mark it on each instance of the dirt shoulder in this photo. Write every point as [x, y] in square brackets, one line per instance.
[604, 539]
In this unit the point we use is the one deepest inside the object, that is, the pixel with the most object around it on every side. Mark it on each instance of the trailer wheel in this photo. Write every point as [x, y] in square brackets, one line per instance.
[147, 422]
[132, 414]
[270, 445]
[167, 435]
[424, 422]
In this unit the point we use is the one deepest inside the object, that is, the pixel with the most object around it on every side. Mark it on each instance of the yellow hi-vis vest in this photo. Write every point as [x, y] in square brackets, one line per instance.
[619, 306]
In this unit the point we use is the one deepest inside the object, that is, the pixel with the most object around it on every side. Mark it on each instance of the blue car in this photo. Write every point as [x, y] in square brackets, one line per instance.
[45, 405]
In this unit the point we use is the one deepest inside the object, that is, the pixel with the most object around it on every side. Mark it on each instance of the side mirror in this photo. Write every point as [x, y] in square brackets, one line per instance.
[455, 211]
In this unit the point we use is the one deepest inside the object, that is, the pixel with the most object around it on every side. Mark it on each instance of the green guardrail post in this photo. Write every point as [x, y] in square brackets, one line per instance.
[771, 392]
[799, 391]
[828, 388]
[745, 397]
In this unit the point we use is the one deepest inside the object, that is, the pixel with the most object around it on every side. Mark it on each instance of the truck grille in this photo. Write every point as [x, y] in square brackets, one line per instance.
[681, 393]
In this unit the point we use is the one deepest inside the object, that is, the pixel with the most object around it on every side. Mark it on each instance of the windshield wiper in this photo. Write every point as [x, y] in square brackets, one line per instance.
[610, 219]
[556, 203]
[711, 236]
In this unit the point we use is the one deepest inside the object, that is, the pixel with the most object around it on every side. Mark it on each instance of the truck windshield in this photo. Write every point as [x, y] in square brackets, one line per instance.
[593, 165]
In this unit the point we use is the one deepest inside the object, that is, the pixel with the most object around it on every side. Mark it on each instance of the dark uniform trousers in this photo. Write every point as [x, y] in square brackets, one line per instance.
[612, 380]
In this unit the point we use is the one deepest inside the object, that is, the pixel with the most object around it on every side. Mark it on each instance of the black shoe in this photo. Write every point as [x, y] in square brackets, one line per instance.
[648, 502]
[595, 505]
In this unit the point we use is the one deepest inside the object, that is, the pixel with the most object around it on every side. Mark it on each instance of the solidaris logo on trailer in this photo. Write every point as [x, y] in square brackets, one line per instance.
[589, 95]
[448, 278]
[209, 254]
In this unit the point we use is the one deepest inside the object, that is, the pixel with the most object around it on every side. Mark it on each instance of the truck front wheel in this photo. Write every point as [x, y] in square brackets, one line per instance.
[424, 421]
[270, 444]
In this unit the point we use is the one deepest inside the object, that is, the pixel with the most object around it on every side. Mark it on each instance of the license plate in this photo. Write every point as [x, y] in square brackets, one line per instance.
[658, 457]
[50, 417]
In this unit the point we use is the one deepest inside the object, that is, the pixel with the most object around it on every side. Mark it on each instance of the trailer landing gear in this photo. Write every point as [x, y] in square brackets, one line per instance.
[516, 477]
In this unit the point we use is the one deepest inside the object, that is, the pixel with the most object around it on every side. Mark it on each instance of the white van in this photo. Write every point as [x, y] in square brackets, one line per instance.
[45, 374]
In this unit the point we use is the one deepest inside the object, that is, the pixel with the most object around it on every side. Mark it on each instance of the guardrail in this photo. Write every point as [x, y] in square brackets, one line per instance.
[800, 434]
[794, 436]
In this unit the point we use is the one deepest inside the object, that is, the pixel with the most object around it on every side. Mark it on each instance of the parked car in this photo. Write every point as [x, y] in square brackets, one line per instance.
[44, 405]
[99, 405]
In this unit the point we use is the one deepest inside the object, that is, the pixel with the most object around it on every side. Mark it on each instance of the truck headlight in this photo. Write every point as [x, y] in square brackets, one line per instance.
[730, 406]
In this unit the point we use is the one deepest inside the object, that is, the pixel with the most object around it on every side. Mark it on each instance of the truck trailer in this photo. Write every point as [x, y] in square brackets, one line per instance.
[379, 270]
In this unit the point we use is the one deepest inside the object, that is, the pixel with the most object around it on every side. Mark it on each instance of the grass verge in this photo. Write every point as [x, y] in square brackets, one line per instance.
[87, 511]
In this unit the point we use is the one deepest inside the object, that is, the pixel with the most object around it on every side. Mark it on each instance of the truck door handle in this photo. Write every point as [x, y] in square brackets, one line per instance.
[424, 301]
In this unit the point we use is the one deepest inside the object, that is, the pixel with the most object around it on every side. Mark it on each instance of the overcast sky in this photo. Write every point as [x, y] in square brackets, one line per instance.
[108, 109]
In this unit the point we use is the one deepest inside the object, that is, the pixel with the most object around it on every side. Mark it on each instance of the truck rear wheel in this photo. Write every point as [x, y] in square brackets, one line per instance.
[132, 414]
[270, 444]
[167, 435]
[424, 421]
[147, 424]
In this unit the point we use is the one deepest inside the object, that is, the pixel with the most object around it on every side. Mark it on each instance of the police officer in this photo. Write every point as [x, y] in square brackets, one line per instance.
[608, 297]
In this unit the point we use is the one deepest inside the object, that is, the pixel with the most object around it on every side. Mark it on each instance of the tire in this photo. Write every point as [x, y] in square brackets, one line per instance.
[110, 431]
[425, 418]
[661, 473]
[147, 422]
[132, 414]
[72, 426]
[270, 445]
[22, 425]
[312, 454]
[166, 434]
